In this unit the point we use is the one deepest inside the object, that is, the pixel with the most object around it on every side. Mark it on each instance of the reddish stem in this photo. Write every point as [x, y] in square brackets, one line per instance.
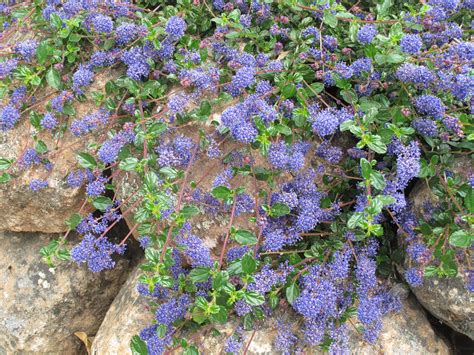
[221, 259]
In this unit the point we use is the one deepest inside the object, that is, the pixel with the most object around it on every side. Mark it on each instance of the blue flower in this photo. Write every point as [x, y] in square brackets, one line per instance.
[411, 44]
[366, 33]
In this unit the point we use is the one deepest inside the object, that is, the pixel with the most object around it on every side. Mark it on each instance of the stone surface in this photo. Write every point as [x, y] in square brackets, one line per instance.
[446, 298]
[40, 309]
[408, 332]
[128, 314]
[45, 210]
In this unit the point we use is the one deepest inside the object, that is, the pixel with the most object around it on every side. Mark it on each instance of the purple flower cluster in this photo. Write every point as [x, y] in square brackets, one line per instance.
[96, 187]
[414, 277]
[414, 74]
[411, 44]
[57, 103]
[408, 163]
[7, 66]
[267, 278]
[102, 23]
[136, 60]
[109, 151]
[82, 77]
[175, 27]
[288, 157]
[18, 96]
[89, 122]
[172, 310]
[38, 184]
[176, 153]
[96, 252]
[195, 250]
[9, 116]
[425, 127]
[430, 105]
[327, 121]
[26, 49]
[366, 33]
[243, 78]
[127, 32]
[76, 178]
[49, 121]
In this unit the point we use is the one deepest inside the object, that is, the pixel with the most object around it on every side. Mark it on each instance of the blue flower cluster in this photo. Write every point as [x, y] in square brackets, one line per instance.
[326, 122]
[89, 122]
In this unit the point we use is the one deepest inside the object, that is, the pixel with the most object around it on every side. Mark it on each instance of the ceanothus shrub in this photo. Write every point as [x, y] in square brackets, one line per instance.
[331, 112]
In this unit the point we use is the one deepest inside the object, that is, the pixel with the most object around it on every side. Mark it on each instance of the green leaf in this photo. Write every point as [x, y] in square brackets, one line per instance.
[86, 160]
[198, 315]
[151, 180]
[128, 164]
[292, 292]
[221, 192]
[394, 58]
[245, 237]
[220, 279]
[53, 78]
[461, 239]
[254, 298]
[56, 21]
[43, 51]
[138, 346]
[169, 172]
[279, 209]
[199, 274]
[330, 19]
[205, 108]
[221, 316]
[355, 220]
[191, 350]
[248, 264]
[469, 201]
[73, 221]
[41, 147]
[375, 143]
[377, 180]
[385, 200]
[283, 129]
[102, 202]
[317, 87]
[289, 91]
[35, 120]
[4, 178]
[346, 125]
[366, 168]
[5, 163]
[349, 96]
[189, 211]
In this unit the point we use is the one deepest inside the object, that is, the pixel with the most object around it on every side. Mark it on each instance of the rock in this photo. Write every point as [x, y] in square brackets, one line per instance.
[42, 308]
[446, 298]
[408, 332]
[45, 210]
[128, 314]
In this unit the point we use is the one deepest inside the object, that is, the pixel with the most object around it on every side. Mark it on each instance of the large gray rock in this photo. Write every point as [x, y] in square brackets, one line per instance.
[128, 314]
[446, 298]
[42, 308]
[45, 210]
[408, 332]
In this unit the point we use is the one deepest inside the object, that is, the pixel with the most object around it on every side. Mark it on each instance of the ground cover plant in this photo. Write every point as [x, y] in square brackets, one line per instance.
[314, 119]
